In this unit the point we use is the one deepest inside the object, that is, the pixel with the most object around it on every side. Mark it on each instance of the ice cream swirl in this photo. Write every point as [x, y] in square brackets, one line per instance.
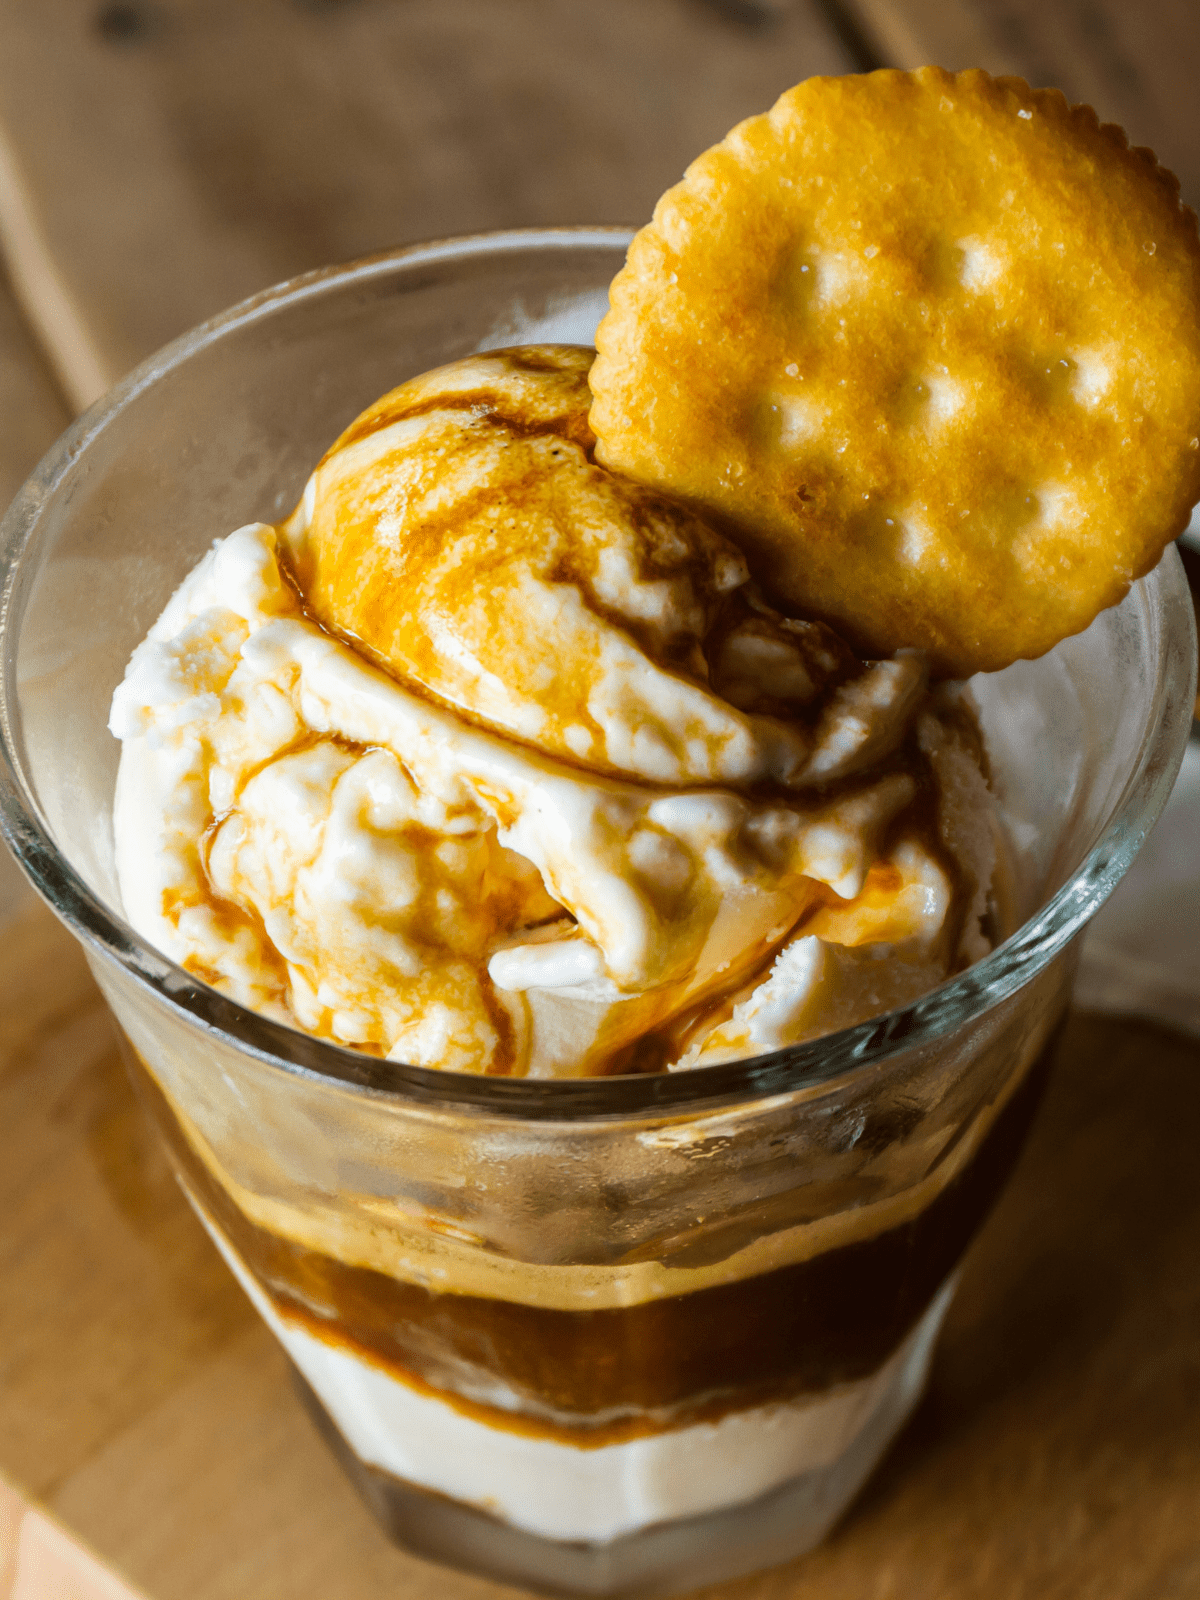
[491, 760]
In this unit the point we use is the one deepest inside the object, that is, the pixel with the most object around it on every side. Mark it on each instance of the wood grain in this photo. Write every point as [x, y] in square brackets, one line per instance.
[1058, 1452]
[161, 159]
[32, 415]
[32, 410]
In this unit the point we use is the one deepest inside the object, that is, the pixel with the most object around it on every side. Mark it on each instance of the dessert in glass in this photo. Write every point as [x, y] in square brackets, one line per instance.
[610, 1254]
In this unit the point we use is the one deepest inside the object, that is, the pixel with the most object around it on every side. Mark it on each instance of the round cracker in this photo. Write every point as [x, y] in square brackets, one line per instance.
[929, 344]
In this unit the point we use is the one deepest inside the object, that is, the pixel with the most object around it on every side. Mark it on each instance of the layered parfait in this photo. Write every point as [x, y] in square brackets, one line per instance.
[608, 718]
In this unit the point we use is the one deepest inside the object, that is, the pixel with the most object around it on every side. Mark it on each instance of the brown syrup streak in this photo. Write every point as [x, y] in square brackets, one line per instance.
[655, 1049]
[421, 691]
[233, 914]
[960, 718]
[484, 404]
[642, 507]
[661, 1045]
[764, 790]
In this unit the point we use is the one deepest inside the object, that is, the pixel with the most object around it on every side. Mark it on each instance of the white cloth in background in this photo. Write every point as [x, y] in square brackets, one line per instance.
[1142, 952]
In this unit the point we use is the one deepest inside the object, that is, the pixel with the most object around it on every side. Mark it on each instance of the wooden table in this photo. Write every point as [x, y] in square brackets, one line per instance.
[159, 160]
[1058, 1452]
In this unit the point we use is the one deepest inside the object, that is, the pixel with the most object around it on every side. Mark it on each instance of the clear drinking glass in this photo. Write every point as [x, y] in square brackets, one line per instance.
[624, 1335]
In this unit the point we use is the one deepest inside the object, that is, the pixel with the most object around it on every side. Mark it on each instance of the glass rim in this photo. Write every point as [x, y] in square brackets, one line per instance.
[850, 1051]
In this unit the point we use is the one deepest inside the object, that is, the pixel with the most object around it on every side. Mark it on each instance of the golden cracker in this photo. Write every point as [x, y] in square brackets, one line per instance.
[929, 344]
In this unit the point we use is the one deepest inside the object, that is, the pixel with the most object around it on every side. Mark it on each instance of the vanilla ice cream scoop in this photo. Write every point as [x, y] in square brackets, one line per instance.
[490, 760]
[462, 534]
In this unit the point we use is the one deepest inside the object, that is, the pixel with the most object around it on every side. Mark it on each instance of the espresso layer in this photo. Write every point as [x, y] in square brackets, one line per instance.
[597, 1376]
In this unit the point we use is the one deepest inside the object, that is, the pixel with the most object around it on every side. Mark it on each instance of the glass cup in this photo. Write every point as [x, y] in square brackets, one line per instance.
[623, 1335]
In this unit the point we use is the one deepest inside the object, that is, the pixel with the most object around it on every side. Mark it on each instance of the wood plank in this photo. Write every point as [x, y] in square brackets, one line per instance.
[1058, 1453]
[1137, 64]
[95, 1249]
[32, 410]
[159, 167]
[164, 168]
[32, 415]
[49, 1564]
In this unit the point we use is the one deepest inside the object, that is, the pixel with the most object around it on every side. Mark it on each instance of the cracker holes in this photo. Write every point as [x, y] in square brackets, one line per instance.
[1091, 379]
[822, 280]
[979, 265]
[899, 535]
[1015, 510]
[1052, 381]
[941, 265]
[913, 541]
[928, 400]
[788, 422]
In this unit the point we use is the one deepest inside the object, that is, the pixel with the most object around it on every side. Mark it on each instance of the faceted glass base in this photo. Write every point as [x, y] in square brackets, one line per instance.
[668, 1558]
